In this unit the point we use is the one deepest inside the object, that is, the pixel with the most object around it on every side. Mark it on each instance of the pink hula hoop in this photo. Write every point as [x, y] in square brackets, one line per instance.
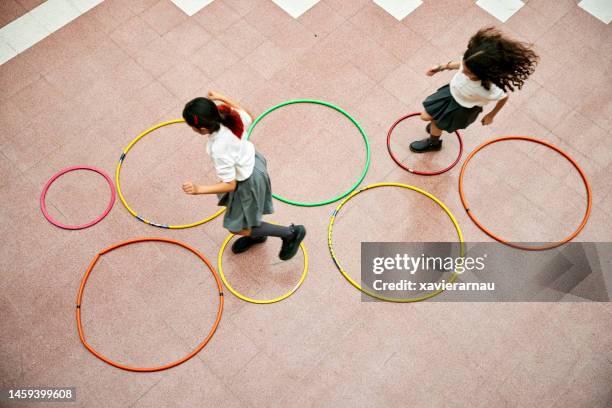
[43, 195]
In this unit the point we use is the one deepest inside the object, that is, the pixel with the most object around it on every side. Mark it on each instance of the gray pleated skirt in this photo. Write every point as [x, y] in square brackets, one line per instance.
[447, 113]
[251, 199]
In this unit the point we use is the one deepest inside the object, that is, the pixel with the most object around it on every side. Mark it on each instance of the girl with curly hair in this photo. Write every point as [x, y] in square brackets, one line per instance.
[492, 65]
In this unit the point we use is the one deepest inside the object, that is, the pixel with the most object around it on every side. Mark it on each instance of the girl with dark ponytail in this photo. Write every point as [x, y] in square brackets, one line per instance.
[491, 66]
[245, 188]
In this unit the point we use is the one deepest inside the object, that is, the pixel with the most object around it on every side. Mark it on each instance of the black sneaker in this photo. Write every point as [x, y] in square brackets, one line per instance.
[244, 243]
[291, 245]
[426, 145]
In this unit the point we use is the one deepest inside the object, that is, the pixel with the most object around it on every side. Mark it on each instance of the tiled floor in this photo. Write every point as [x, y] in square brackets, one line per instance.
[92, 83]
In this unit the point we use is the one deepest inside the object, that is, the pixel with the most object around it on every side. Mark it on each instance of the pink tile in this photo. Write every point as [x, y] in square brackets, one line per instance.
[30, 4]
[9, 170]
[373, 60]
[30, 146]
[133, 35]
[91, 149]
[239, 81]
[186, 381]
[321, 19]
[267, 59]
[9, 11]
[581, 133]
[254, 388]
[346, 9]
[271, 94]
[242, 7]
[426, 20]
[216, 17]
[575, 89]
[107, 55]
[184, 80]
[293, 38]
[560, 43]
[157, 99]
[454, 41]
[546, 109]
[15, 75]
[233, 344]
[387, 31]
[188, 37]
[405, 84]
[598, 108]
[12, 120]
[585, 27]
[158, 57]
[138, 6]
[126, 78]
[529, 23]
[12, 370]
[81, 35]
[555, 13]
[241, 38]
[214, 58]
[48, 54]
[267, 18]
[38, 98]
[164, 16]
[110, 14]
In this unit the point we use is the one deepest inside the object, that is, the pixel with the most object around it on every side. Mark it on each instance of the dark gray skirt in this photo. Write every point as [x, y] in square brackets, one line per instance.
[447, 113]
[251, 199]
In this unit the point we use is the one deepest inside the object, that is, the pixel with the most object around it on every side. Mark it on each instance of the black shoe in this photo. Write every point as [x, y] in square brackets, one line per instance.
[244, 243]
[426, 145]
[291, 244]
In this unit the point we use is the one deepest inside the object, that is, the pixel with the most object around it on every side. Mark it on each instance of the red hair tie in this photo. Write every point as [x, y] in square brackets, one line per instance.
[195, 119]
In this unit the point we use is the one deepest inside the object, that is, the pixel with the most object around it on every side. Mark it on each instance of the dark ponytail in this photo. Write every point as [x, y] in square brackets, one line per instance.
[231, 120]
[204, 113]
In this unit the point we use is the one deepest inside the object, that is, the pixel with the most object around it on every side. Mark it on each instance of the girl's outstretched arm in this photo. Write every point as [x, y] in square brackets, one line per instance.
[220, 187]
[488, 118]
[450, 65]
[215, 96]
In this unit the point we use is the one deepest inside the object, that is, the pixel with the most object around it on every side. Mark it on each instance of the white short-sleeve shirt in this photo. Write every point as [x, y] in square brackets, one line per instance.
[469, 93]
[233, 157]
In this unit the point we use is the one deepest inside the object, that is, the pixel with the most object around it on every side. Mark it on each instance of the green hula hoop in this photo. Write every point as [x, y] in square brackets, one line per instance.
[346, 114]
[344, 273]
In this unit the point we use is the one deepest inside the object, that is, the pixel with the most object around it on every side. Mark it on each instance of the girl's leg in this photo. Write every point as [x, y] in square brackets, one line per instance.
[246, 241]
[292, 237]
[433, 142]
[435, 131]
[271, 230]
[426, 117]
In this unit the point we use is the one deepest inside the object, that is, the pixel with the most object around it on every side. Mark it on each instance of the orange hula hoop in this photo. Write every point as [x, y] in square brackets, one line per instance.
[512, 244]
[147, 369]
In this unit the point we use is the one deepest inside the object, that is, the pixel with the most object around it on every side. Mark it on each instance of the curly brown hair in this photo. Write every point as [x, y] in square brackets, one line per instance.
[493, 58]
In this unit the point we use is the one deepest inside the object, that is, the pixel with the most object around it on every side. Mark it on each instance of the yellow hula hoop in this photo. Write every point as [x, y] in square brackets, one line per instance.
[357, 285]
[127, 206]
[252, 300]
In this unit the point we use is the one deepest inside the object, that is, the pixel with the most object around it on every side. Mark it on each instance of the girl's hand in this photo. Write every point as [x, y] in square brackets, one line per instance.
[212, 95]
[487, 119]
[190, 188]
[433, 70]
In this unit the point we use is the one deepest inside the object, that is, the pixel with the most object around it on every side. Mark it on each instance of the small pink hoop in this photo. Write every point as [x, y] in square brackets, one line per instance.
[43, 195]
